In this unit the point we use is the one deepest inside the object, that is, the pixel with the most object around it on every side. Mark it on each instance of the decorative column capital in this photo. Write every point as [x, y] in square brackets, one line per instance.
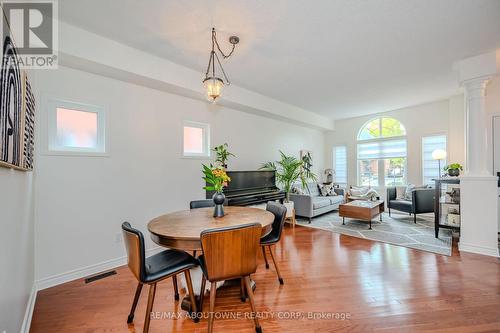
[474, 74]
[473, 70]
[476, 88]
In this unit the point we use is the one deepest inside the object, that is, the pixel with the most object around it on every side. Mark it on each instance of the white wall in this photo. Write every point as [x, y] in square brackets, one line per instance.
[81, 201]
[16, 252]
[441, 117]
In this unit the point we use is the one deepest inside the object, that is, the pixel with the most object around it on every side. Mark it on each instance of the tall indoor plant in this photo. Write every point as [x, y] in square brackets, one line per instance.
[216, 179]
[290, 170]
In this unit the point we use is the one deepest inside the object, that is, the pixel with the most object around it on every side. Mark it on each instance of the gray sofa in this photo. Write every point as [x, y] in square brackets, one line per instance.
[313, 204]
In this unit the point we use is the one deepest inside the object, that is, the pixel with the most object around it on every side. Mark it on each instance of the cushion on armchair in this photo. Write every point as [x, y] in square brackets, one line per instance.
[410, 188]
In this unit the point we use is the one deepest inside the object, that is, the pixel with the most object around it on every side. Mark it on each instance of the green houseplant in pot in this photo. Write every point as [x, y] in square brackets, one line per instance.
[222, 155]
[289, 170]
[453, 169]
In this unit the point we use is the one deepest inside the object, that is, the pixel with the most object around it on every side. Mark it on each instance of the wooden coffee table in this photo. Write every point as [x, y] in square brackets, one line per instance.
[362, 210]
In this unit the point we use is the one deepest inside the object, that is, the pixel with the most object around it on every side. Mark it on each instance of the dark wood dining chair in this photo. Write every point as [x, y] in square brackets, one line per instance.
[229, 253]
[274, 236]
[154, 269]
[195, 204]
[201, 204]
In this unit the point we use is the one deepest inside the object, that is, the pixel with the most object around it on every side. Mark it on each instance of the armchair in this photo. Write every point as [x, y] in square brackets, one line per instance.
[422, 201]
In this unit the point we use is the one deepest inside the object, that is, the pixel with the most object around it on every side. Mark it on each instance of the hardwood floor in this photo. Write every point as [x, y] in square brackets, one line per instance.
[380, 287]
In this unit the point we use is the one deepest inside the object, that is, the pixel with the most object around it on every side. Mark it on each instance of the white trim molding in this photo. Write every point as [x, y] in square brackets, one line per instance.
[82, 272]
[30, 306]
[75, 274]
[487, 251]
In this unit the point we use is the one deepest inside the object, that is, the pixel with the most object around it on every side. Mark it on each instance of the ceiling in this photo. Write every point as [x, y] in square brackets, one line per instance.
[339, 58]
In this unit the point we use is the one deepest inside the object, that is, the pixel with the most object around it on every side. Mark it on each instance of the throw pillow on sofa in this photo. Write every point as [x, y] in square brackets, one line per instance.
[332, 192]
[325, 189]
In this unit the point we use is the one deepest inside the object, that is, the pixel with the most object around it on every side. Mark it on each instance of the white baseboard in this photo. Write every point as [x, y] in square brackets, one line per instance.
[79, 273]
[493, 252]
[28, 314]
[70, 276]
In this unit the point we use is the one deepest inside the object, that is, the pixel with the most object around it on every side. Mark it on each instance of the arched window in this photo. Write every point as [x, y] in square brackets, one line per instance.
[381, 128]
[382, 153]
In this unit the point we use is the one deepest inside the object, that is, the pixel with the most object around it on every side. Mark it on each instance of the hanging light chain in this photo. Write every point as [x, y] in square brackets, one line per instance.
[214, 40]
[213, 54]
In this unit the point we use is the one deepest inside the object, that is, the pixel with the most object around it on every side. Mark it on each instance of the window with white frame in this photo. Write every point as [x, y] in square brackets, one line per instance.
[340, 164]
[76, 128]
[382, 153]
[430, 167]
[196, 139]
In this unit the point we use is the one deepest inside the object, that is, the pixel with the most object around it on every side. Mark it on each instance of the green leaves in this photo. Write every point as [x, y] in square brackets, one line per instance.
[217, 181]
[289, 169]
[453, 166]
[222, 154]
[270, 166]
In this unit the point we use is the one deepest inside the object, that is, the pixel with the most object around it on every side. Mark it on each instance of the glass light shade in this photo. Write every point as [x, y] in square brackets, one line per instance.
[438, 154]
[213, 85]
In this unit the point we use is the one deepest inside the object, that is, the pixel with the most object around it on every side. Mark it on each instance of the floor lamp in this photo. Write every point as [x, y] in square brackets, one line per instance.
[439, 154]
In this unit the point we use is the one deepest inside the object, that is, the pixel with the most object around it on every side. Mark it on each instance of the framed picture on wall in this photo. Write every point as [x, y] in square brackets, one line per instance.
[307, 158]
[17, 112]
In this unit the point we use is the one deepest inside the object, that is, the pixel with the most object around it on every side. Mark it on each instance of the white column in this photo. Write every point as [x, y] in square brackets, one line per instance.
[477, 127]
[479, 202]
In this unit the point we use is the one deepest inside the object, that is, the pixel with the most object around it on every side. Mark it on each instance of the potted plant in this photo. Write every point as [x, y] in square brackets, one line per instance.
[217, 177]
[453, 169]
[222, 155]
[289, 170]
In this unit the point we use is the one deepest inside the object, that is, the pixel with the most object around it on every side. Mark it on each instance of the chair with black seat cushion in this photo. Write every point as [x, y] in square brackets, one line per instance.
[230, 253]
[151, 270]
[201, 204]
[422, 201]
[274, 236]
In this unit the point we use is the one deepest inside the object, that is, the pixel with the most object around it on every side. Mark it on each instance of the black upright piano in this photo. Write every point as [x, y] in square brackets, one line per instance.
[250, 188]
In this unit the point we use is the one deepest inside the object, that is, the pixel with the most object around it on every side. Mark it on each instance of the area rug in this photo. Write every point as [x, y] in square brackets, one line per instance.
[399, 229]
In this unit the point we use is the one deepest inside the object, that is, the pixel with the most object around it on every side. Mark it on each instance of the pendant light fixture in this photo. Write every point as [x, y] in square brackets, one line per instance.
[214, 82]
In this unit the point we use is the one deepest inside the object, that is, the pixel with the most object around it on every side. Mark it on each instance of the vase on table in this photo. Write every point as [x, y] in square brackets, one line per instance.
[219, 199]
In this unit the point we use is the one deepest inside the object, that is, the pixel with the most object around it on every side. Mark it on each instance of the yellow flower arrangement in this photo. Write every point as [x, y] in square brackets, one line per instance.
[216, 176]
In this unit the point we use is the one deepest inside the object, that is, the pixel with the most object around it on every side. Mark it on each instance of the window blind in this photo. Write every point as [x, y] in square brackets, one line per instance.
[382, 149]
[430, 167]
[340, 164]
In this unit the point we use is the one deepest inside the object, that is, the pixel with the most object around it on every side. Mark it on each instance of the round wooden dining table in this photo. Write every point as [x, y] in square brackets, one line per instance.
[181, 230]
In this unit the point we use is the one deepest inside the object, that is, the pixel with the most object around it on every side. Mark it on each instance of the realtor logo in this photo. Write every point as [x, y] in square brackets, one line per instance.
[32, 26]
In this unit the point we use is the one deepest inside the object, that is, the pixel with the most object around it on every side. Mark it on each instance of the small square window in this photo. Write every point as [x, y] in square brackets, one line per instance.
[75, 128]
[196, 139]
